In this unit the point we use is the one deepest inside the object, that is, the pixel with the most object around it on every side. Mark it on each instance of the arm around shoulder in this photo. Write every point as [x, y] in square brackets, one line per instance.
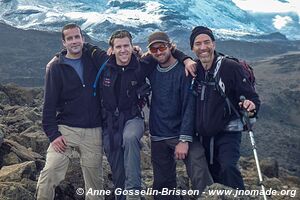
[98, 55]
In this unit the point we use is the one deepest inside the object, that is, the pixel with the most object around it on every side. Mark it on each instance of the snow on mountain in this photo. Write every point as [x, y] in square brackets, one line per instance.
[99, 18]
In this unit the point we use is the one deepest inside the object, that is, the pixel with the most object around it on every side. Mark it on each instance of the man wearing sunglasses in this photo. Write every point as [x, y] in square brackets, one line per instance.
[171, 121]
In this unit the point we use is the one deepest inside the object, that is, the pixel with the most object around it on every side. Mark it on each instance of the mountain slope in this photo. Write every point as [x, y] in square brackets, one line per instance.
[24, 53]
[99, 18]
[278, 127]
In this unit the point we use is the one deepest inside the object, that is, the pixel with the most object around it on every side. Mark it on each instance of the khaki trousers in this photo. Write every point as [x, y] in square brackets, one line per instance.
[88, 143]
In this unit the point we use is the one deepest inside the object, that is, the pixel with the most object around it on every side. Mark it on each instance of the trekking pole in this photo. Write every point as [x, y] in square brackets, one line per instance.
[246, 122]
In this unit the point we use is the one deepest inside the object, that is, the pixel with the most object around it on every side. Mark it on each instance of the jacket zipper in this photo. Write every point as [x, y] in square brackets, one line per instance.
[204, 100]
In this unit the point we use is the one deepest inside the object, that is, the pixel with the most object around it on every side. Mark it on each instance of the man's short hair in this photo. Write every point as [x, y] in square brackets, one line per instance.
[69, 26]
[119, 34]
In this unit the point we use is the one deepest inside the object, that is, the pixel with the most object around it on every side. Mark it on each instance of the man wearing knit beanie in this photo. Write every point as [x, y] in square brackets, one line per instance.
[200, 30]
[221, 137]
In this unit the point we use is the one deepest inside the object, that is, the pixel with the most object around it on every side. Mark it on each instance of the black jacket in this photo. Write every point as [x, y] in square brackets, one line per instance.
[212, 112]
[118, 87]
[67, 100]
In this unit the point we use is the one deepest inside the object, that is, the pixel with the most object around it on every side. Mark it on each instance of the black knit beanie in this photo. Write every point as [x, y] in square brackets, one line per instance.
[200, 30]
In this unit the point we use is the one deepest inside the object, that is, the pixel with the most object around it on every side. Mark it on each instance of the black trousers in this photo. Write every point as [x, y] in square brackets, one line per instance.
[226, 154]
[164, 167]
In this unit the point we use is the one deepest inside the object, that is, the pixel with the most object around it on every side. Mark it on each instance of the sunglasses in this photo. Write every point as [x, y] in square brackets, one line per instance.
[161, 48]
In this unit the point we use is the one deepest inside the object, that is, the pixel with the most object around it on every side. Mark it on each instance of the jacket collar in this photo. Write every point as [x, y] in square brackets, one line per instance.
[133, 64]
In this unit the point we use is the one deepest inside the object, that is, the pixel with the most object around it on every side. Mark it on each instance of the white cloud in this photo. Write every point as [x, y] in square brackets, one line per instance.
[269, 6]
[281, 21]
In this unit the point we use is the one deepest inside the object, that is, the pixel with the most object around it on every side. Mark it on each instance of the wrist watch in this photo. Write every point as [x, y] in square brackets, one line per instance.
[183, 141]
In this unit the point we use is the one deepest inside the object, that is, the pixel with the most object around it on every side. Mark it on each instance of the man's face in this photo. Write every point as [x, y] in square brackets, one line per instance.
[122, 49]
[204, 48]
[161, 52]
[73, 42]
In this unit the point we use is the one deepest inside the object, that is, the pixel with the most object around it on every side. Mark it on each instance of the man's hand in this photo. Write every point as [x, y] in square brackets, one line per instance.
[59, 144]
[190, 67]
[138, 50]
[147, 53]
[109, 51]
[55, 58]
[181, 150]
[249, 106]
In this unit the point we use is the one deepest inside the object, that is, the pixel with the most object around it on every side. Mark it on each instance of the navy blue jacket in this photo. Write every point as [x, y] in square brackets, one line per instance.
[124, 79]
[130, 78]
[118, 87]
[68, 100]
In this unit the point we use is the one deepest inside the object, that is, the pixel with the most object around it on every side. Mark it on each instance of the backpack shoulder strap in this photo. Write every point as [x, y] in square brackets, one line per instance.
[219, 88]
[218, 65]
[98, 76]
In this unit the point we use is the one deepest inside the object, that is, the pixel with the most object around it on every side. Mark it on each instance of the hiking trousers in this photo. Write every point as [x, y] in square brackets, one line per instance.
[125, 159]
[225, 150]
[88, 143]
[164, 166]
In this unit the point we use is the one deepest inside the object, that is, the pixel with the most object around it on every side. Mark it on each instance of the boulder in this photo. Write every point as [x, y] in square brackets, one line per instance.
[269, 167]
[37, 141]
[18, 95]
[4, 99]
[17, 123]
[11, 158]
[33, 114]
[22, 152]
[14, 191]
[15, 173]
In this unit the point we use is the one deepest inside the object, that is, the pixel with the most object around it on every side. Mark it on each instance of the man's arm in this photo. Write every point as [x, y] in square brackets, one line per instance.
[51, 97]
[149, 63]
[98, 55]
[187, 110]
[189, 63]
[187, 123]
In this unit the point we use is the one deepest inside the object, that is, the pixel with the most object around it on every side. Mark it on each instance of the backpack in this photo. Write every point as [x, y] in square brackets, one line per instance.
[250, 76]
[246, 67]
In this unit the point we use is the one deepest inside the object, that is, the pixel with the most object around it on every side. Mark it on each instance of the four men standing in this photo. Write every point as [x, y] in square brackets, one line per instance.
[71, 115]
